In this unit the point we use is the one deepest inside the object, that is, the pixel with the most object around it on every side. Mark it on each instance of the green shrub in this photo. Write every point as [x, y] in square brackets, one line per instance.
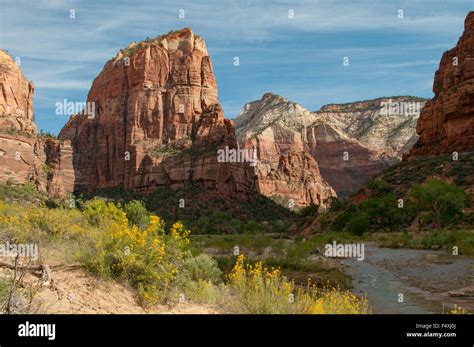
[202, 267]
[336, 204]
[379, 187]
[24, 192]
[198, 277]
[310, 210]
[358, 224]
[324, 220]
[447, 239]
[279, 226]
[343, 218]
[298, 251]
[201, 292]
[137, 213]
[383, 212]
[426, 219]
[32, 223]
[444, 200]
[253, 227]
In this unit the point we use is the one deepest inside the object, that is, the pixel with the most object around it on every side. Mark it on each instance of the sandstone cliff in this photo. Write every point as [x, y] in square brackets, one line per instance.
[21, 156]
[157, 122]
[274, 128]
[16, 97]
[25, 156]
[446, 122]
[344, 145]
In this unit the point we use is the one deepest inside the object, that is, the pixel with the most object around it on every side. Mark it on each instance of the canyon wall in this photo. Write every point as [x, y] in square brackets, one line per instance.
[446, 122]
[25, 156]
[285, 167]
[306, 154]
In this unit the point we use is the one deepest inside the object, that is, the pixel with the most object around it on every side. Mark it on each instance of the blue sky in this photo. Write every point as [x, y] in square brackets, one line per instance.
[299, 58]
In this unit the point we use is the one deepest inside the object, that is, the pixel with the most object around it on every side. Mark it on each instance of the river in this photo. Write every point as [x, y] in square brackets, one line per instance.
[423, 277]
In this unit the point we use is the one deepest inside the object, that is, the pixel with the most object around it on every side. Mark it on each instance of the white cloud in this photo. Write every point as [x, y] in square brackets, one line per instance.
[409, 64]
[72, 84]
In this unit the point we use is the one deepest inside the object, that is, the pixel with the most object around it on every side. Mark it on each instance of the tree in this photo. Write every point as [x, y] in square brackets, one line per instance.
[336, 204]
[309, 211]
[383, 212]
[444, 200]
[358, 224]
[379, 187]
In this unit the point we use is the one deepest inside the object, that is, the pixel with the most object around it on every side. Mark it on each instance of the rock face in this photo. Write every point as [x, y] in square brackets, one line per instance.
[285, 167]
[21, 159]
[446, 122]
[343, 145]
[385, 125]
[156, 121]
[16, 97]
[353, 142]
[60, 173]
[21, 156]
[24, 156]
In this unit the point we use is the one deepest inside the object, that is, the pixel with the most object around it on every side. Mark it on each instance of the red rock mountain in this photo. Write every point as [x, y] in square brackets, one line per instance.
[25, 156]
[446, 122]
[285, 169]
[311, 155]
[16, 97]
[157, 122]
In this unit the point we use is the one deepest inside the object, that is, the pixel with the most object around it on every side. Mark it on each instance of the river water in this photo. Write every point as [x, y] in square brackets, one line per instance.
[423, 277]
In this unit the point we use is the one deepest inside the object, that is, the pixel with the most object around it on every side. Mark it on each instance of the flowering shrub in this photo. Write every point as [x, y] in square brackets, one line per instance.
[154, 261]
[30, 222]
[336, 302]
[99, 212]
[458, 310]
[148, 259]
[256, 289]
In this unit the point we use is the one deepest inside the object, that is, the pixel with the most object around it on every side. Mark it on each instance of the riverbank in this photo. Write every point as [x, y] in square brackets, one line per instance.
[413, 281]
[430, 280]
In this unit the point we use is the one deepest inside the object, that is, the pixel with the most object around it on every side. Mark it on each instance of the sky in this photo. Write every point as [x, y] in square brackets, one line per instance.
[292, 48]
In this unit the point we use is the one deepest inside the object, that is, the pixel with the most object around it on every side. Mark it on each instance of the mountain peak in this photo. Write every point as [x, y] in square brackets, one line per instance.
[469, 22]
[271, 110]
[183, 40]
[271, 96]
